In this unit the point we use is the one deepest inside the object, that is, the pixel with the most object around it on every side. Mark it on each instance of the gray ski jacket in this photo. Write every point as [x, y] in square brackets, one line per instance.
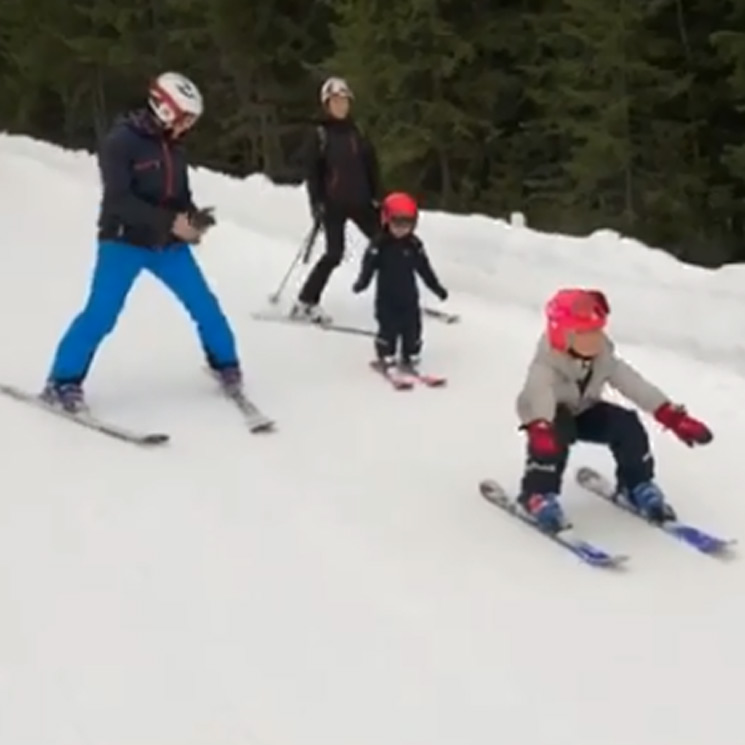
[556, 378]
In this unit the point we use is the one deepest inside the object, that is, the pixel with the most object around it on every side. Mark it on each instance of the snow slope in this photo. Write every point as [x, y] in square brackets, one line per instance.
[341, 582]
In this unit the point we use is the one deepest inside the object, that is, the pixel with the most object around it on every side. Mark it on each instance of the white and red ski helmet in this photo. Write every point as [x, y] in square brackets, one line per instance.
[173, 97]
[335, 87]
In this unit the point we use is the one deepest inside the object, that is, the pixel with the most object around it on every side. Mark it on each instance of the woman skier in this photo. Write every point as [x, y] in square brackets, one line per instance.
[343, 183]
[560, 403]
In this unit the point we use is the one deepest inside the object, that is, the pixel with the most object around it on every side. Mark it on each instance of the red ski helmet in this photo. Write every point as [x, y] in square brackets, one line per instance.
[399, 206]
[574, 311]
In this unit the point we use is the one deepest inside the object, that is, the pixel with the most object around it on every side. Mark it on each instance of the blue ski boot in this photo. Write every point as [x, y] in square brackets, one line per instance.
[647, 498]
[545, 510]
[67, 396]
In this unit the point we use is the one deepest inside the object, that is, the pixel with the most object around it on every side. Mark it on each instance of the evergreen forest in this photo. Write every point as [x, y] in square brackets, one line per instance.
[582, 114]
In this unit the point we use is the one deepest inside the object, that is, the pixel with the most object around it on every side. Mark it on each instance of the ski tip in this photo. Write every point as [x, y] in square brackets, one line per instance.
[264, 427]
[597, 557]
[156, 438]
[617, 562]
[721, 549]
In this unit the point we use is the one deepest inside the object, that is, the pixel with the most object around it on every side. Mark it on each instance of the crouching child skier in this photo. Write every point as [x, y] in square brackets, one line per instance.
[397, 255]
[561, 403]
[147, 222]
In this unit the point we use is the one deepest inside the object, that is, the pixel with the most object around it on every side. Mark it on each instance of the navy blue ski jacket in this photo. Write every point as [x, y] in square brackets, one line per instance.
[145, 182]
[397, 262]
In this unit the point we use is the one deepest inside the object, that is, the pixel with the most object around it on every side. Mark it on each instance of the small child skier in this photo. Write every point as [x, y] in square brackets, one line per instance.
[561, 403]
[397, 255]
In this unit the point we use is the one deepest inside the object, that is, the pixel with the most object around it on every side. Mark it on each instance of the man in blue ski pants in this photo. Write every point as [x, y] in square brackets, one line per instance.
[147, 222]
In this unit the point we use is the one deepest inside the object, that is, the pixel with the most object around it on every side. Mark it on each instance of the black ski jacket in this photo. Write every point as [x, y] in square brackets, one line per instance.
[342, 170]
[397, 262]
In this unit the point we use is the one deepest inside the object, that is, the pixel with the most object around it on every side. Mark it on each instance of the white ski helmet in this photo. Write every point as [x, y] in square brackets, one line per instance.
[335, 87]
[172, 96]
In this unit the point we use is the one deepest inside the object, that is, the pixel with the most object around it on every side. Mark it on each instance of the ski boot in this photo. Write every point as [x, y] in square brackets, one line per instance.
[309, 313]
[545, 510]
[67, 396]
[230, 379]
[384, 363]
[409, 364]
[647, 499]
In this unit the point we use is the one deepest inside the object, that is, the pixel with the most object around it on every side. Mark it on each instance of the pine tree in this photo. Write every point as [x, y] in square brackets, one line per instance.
[422, 88]
[730, 43]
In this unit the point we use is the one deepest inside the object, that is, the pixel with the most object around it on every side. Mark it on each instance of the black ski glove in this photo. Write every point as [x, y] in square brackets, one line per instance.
[203, 218]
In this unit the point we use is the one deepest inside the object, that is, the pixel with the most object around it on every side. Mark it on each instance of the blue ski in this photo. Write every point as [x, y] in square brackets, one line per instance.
[567, 538]
[595, 483]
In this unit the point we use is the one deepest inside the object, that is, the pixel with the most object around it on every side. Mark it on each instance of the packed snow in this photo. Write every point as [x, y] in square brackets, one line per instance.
[342, 581]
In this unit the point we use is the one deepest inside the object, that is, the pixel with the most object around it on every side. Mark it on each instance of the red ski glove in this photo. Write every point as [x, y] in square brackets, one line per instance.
[686, 428]
[542, 439]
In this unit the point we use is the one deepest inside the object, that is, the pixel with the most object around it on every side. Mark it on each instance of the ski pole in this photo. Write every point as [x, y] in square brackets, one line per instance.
[303, 251]
[311, 239]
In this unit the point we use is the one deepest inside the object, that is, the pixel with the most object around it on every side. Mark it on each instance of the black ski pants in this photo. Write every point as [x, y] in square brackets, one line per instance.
[398, 325]
[335, 219]
[602, 424]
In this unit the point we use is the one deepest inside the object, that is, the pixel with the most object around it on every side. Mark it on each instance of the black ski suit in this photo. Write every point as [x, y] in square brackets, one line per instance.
[397, 262]
[343, 183]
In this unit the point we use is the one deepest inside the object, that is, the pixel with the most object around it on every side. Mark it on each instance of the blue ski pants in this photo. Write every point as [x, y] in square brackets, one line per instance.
[117, 267]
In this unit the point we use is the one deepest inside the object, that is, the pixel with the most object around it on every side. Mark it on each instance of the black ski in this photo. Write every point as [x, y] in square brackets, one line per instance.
[87, 419]
[256, 419]
[441, 315]
[287, 319]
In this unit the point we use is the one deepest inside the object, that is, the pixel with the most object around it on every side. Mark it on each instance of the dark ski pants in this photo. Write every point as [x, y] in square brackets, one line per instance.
[366, 219]
[398, 325]
[117, 267]
[602, 424]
